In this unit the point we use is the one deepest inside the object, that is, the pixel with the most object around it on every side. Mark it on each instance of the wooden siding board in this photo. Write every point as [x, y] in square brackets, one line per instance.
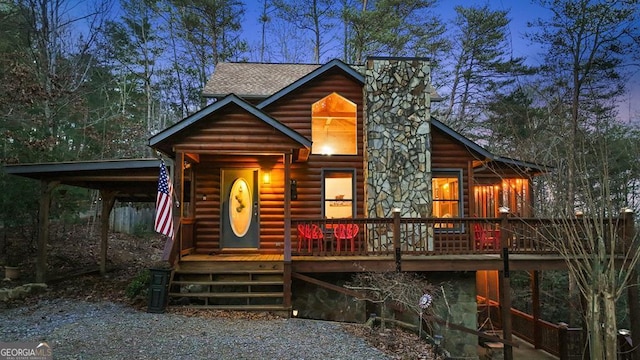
[235, 130]
[447, 153]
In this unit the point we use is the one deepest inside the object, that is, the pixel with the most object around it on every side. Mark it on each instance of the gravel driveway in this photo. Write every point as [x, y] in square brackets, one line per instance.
[82, 330]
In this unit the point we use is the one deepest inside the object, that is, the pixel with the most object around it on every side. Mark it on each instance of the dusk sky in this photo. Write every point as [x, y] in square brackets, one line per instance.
[520, 12]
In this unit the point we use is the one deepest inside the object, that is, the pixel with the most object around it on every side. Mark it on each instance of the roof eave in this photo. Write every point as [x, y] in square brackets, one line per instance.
[155, 140]
[43, 168]
[310, 76]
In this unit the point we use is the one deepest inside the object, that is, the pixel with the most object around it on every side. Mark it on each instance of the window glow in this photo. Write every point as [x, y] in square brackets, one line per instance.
[334, 126]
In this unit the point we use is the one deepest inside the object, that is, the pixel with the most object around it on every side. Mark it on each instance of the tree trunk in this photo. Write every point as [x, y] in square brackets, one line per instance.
[596, 346]
[610, 326]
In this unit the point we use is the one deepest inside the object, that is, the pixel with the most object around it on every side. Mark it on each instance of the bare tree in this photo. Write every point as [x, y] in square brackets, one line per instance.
[586, 45]
[316, 17]
[60, 59]
[599, 245]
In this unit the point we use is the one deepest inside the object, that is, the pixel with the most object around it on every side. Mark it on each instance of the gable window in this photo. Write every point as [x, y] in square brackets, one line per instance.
[333, 126]
[447, 194]
[338, 189]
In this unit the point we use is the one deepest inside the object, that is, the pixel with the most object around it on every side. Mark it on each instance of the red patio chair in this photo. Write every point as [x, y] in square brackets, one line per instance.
[346, 232]
[486, 238]
[308, 233]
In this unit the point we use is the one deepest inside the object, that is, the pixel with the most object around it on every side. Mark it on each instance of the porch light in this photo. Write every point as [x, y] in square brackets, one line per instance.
[294, 312]
[266, 177]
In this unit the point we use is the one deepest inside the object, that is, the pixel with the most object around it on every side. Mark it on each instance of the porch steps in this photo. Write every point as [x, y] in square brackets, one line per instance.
[228, 285]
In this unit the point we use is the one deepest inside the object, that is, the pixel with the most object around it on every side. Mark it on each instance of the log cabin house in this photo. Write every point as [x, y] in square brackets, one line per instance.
[297, 176]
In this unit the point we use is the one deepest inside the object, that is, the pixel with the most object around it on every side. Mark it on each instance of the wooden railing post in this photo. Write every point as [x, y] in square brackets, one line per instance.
[628, 228]
[563, 339]
[396, 239]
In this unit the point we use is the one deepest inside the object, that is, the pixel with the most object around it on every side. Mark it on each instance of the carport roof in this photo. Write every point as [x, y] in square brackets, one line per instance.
[133, 180]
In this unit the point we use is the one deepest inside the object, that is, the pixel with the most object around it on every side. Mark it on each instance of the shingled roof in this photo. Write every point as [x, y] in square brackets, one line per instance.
[253, 80]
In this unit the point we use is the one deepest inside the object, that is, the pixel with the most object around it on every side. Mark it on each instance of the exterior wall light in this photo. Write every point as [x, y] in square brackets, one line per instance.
[266, 177]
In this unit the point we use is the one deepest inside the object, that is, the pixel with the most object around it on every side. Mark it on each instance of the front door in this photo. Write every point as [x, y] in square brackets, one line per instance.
[240, 210]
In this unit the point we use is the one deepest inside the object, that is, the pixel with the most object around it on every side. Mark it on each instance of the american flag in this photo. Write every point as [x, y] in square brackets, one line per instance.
[164, 204]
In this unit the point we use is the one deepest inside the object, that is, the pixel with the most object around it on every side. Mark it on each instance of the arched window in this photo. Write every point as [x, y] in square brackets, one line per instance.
[333, 126]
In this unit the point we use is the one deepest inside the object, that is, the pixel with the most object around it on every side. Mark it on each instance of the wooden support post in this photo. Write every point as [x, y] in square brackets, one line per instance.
[634, 312]
[177, 180]
[287, 207]
[286, 286]
[535, 299]
[43, 232]
[505, 286]
[633, 286]
[396, 239]
[563, 340]
[108, 199]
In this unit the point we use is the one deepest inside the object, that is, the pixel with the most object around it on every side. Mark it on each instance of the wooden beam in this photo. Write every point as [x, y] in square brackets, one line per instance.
[43, 232]
[107, 178]
[380, 264]
[194, 158]
[330, 286]
[462, 328]
[108, 199]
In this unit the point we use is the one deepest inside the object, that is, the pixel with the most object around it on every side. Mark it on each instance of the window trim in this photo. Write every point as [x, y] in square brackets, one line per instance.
[352, 171]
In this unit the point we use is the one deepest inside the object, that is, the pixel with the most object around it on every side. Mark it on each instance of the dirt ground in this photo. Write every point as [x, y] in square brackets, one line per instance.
[74, 250]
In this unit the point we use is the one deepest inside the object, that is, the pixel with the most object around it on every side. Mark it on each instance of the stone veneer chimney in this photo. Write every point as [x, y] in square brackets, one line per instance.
[397, 136]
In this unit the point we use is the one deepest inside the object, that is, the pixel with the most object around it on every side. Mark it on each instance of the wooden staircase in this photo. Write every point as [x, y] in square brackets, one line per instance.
[228, 285]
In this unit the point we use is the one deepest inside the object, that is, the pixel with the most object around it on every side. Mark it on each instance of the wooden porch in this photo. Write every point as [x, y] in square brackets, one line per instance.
[421, 244]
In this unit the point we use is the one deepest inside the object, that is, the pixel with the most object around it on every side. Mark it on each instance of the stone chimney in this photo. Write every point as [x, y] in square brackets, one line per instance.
[398, 136]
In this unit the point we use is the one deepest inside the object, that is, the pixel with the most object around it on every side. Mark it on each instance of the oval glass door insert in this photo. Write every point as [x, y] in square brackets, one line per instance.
[240, 207]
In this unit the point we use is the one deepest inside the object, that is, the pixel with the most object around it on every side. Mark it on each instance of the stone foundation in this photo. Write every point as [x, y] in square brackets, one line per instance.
[460, 308]
[315, 302]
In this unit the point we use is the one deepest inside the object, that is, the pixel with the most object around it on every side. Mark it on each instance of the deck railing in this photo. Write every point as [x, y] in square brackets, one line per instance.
[448, 236]
[568, 343]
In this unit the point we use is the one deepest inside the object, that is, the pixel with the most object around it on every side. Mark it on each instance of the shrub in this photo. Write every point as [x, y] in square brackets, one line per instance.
[139, 286]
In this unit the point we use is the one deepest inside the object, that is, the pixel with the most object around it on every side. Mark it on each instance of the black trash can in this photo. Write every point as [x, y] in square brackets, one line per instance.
[158, 290]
